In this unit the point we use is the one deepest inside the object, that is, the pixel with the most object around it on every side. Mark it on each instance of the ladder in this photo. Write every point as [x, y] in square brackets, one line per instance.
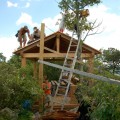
[65, 76]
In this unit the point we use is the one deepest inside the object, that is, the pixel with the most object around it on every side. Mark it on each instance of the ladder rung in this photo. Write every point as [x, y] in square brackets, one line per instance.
[72, 51]
[74, 39]
[73, 45]
[66, 71]
[75, 57]
[68, 65]
[63, 83]
[63, 87]
[65, 80]
[56, 102]
[60, 94]
[68, 58]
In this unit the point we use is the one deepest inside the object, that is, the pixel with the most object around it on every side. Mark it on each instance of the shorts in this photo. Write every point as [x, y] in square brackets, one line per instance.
[47, 98]
[24, 37]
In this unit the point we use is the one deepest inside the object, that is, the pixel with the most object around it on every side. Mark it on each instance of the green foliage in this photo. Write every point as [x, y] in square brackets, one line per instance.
[16, 88]
[112, 57]
[72, 17]
[25, 115]
[2, 57]
[107, 102]
[104, 99]
[8, 114]
[15, 60]
[70, 4]
[75, 20]
[52, 72]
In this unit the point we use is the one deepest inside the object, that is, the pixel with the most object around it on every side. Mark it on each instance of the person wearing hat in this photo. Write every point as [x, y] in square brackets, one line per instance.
[22, 38]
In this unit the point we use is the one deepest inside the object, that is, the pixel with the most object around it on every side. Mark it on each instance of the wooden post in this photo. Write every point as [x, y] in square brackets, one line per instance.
[91, 62]
[91, 67]
[23, 62]
[58, 43]
[41, 52]
[35, 68]
[73, 99]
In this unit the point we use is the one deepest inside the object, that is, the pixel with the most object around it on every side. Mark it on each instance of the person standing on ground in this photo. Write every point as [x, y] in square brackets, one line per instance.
[22, 38]
[47, 90]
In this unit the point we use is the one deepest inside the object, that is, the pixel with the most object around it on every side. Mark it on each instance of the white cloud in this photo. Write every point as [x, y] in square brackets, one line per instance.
[27, 5]
[10, 4]
[8, 45]
[26, 19]
[110, 21]
[108, 38]
[50, 24]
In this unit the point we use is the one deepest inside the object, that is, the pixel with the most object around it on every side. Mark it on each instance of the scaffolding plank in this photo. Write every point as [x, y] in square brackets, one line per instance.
[90, 75]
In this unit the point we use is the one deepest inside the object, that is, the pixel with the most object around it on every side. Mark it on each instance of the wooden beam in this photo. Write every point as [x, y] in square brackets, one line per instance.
[49, 37]
[31, 55]
[27, 47]
[50, 50]
[49, 55]
[66, 37]
[88, 48]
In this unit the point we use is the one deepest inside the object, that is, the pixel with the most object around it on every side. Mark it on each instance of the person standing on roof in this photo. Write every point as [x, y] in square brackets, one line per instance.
[22, 38]
[62, 23]
[36, 34]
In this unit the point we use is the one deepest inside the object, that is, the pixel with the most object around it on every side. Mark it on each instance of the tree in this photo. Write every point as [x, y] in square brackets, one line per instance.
[75, 20]
[15, 60]
[16, 88]
[55, 72]
[73, 10]
[106, 102]
[2, 57]
[112, 58]
[104, 99]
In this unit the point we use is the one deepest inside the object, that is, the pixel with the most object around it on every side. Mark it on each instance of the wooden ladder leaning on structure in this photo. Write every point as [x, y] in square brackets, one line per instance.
[70, 63]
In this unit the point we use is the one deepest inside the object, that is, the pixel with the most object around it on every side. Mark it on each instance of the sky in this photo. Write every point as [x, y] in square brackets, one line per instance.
[14, 14]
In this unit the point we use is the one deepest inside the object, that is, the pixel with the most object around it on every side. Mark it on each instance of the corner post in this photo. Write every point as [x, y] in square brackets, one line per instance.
[41, 52]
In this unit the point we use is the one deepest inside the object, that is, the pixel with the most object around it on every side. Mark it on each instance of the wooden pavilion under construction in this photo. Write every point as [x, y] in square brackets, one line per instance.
[53, 47]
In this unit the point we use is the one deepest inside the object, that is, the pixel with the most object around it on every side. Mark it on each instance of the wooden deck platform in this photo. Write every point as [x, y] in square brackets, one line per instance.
[60, 115]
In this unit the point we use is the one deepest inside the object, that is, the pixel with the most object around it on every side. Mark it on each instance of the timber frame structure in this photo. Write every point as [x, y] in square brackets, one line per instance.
[52, 47]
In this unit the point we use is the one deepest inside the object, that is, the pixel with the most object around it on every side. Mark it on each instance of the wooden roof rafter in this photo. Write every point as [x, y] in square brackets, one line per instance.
[28, 50]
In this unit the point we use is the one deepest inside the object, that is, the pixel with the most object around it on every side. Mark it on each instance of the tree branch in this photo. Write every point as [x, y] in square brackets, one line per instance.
[96, 32]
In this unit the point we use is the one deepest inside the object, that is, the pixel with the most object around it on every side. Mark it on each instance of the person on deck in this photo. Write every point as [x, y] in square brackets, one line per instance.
[22, 38]
[47, 90]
